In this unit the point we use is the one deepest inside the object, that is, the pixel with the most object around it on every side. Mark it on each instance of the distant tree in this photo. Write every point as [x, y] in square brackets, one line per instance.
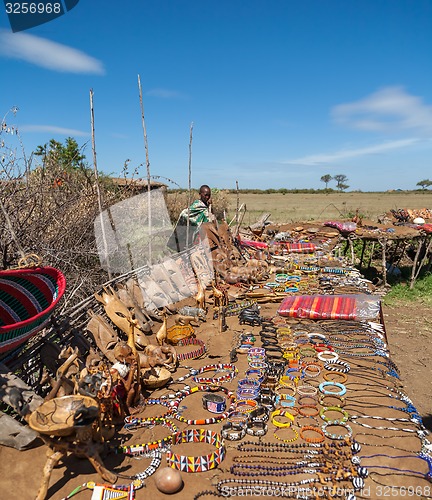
[341, 180]
[326, 179]
[68, 155]
[61, 161]
[425, 183]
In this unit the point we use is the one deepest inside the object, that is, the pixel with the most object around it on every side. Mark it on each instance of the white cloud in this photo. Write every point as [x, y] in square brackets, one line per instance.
[165, 93]
[52, 129]
[324, 158]
[47, 54]
[390, 109]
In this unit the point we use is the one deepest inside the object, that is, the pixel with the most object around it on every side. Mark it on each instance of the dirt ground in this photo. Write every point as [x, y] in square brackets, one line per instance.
[408, 329]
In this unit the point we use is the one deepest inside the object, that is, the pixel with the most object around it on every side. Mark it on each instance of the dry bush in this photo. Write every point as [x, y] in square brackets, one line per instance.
[47, 212]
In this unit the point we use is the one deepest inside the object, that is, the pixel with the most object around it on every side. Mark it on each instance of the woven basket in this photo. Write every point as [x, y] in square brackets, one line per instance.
[27, 300]
[179, 332]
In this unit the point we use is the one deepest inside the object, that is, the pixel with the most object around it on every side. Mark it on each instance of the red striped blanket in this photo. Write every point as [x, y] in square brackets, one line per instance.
[301, 247]
[320, 307]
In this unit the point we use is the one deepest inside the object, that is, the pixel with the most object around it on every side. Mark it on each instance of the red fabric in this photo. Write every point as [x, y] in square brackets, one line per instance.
[302, 247]
[426, 227]
[253, 244]
[319, 307]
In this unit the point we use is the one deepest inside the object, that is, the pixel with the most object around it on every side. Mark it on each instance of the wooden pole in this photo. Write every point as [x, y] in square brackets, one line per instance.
[237, 208]
[98, 191]
[148, 170]
[189, 183]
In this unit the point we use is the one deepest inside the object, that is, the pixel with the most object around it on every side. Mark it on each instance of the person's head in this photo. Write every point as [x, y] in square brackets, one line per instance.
[205, 194]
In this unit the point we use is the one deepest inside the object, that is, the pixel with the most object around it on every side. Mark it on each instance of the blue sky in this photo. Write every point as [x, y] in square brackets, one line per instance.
[279, 92]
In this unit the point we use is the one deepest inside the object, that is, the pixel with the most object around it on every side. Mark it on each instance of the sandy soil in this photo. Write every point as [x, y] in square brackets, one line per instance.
[408, 335]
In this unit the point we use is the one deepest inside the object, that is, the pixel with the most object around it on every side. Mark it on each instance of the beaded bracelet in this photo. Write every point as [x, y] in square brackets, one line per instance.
[257, 428]
[281, 413]
[302, 411]
[308, 352]
[337, 366]
[341, 392]
[285, 400]
[233, 431]
[233, 370]
[337, 436]
[283, 331]
[286, 388]
[334, 408]
[260, 414]
[334, 376]
[259, 365]
[341, 400]
[307, 390]
[328, 356]
[212, 420]
[311, 428]
[202, 463]
[245, 394]
[268, 402]
[238, 417]
[246, 405]
[315, 368]
[193, 354]
[291, 429]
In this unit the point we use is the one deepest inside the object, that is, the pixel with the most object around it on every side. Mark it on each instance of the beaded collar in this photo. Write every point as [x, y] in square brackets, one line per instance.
[202, 463]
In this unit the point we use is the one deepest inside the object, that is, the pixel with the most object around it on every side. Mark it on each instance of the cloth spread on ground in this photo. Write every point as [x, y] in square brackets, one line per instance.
[349, 307]
[299, 247]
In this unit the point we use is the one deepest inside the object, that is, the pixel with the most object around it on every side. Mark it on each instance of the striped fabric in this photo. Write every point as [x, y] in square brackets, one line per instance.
[27, 299]
[301, 247]
[319, 307]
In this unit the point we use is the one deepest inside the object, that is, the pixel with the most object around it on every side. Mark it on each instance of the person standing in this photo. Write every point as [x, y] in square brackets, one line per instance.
[197, 213]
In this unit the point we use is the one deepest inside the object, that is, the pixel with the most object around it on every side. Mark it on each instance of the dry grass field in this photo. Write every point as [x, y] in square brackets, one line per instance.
[303, 207]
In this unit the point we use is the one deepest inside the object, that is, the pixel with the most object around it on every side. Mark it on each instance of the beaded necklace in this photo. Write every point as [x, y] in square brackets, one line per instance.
[139, 449]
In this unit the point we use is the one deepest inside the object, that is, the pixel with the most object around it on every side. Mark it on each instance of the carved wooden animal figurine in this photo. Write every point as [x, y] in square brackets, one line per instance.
[186, 320]
[200, 296]
[115, 309]
[139, 313]
[164, 355]
[103, 334]
[196, 312]
[66, 376]
[220, 296]
[121, 316]
[161, 334]
[125, 377]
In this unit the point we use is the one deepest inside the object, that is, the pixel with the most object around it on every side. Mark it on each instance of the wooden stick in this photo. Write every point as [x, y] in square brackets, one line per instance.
[148, 169]
[98, 191]
[189, 184]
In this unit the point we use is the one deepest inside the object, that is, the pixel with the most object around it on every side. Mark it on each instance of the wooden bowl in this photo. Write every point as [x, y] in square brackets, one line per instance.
[156, 377]
[61, 416]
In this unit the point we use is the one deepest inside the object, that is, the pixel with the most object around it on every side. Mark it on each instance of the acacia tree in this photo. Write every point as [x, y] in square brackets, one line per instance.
[326, 179]
[341, 180]
[425, 183]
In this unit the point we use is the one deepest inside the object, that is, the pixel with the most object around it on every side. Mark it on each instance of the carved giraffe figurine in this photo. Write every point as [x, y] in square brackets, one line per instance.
[162, 333]
[217, 295]
[200, 296]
